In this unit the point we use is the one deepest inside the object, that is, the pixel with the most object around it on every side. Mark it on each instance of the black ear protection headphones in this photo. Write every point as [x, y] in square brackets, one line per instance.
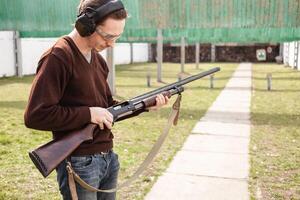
[86, 21]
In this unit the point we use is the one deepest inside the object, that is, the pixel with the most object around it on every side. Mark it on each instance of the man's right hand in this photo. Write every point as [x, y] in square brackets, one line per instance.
[101, 116]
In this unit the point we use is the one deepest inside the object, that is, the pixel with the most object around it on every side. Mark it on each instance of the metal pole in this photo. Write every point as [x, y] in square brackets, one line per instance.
[112, 71]
[213, 53]
[197, 54]
[131, 53]
[182, 54]
[179, 76]
[148, 80]
[18, 54]
[211, 81]
[269, 82]
[296, 52]
[159, 54]
[281, 49]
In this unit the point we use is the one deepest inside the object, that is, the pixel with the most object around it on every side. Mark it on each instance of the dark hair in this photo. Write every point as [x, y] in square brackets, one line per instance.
[84, 4]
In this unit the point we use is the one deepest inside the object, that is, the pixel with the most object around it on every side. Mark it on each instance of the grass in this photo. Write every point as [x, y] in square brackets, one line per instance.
[19, 179]
[275, 138]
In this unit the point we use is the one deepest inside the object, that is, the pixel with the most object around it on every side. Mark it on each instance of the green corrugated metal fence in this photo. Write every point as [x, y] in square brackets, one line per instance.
[197, 20]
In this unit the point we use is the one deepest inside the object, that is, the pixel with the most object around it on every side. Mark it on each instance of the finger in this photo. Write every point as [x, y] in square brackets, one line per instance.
[108, 124]
[158, 101]
[109, 120]
[109, 116]
[162, 99]
[101, 125]
[166, 100]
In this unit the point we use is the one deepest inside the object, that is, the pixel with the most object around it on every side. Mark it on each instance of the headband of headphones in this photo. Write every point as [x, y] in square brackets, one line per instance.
[87, 21]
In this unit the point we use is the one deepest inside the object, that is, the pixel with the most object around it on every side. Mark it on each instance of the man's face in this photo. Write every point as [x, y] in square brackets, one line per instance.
[106, 34]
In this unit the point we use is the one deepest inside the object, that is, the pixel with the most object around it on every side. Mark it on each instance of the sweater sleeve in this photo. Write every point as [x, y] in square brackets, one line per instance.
[44, 111]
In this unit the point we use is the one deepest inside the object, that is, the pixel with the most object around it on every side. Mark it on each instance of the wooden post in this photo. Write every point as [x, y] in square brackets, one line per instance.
[269, 82]
[148, 80]
[296, 52]
[179, 76]
[211, 81]
[213, 53]
[18, 54]
[159, 54]
[131, 53]
[281, 49]
[197, 54]
[111, 66]
[182, 54]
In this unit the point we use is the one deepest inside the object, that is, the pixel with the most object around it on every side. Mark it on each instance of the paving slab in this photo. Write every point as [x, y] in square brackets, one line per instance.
[225, 120]
[227, 115]
[186, 187]
[222, 128]
[225, 165]
[216, 144]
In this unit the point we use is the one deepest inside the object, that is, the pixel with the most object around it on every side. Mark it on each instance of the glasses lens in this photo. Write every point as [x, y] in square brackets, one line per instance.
[107, 36]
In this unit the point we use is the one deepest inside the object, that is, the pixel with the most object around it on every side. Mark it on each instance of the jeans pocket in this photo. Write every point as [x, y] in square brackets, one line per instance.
[81, 162]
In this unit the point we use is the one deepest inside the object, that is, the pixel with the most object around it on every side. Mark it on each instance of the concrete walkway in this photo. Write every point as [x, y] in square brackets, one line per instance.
[213, 163]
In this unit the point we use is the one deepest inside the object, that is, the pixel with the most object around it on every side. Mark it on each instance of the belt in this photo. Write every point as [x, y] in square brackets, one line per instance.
[104, 153]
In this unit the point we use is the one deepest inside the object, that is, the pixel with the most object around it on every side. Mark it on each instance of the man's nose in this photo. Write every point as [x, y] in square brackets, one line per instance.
[110, 43]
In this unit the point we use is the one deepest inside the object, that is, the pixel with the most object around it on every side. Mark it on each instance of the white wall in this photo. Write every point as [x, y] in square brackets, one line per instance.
[286, 53]
[143, 50]
[289, 54]
[33, 48]
[122, 53]
[31, 51]
[7, 55]
[299, 56]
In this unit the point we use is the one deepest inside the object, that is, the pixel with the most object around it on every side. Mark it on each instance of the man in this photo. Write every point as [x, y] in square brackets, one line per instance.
[70, 90]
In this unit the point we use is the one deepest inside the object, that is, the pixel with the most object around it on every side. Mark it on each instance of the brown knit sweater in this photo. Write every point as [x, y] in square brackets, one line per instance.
[64, 88]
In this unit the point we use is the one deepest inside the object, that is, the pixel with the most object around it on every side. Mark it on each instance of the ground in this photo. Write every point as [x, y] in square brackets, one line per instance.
[275, 139]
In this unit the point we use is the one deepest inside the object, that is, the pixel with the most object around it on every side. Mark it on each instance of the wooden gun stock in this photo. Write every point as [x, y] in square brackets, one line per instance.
[48, 156]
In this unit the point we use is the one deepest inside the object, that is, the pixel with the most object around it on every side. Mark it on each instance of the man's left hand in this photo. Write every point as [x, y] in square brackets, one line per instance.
[161, 100]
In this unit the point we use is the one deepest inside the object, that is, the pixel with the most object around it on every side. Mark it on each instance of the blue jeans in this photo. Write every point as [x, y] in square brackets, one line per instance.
[98, 170]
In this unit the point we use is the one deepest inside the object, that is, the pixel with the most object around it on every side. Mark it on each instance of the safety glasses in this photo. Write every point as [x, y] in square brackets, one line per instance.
[107, 36]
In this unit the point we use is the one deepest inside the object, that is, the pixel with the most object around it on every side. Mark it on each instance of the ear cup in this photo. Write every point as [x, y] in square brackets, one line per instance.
[86, 21]
[85, 25]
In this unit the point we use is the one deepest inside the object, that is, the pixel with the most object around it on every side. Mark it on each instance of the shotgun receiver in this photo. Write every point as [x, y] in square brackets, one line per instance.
[48, 156]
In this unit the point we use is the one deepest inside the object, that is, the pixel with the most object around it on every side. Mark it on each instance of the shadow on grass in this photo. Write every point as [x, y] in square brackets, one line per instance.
[13, 104]
[133, 67]
[272, 119]
[261, 78]
[288, 120]
[184, 113]
[276, 90]
[283, 70]
[13, 80]
[144, 75]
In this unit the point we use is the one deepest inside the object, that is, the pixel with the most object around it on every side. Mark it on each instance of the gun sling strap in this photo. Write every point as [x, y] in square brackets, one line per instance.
[72, 176]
